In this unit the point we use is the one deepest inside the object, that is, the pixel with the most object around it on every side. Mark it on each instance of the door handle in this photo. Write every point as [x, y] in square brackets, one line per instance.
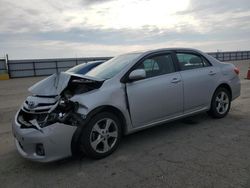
[212, 73]
[175, 80]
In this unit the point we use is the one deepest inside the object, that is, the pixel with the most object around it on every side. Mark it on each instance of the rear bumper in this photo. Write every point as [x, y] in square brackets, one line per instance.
[55, 140]
[236, 87]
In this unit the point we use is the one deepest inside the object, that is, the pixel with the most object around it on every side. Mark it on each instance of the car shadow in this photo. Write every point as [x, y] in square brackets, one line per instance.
[172, 126]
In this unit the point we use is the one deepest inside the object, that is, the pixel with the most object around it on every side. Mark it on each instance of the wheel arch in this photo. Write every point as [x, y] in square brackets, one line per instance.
[90, 115]
[211, 110]
[112, 109]
[226, 86]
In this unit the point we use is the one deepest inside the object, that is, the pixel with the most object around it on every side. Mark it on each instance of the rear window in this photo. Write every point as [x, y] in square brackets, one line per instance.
[191, 61]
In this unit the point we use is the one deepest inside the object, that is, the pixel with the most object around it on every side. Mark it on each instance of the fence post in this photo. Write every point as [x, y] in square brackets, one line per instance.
[34, 68]
[56, 67]
[7, 65]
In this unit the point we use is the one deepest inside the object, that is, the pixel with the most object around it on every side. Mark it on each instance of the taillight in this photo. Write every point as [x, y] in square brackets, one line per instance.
[236, 70]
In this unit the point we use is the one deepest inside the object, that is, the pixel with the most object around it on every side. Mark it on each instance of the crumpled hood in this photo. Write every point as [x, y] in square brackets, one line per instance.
[55, 84]
[52, 85]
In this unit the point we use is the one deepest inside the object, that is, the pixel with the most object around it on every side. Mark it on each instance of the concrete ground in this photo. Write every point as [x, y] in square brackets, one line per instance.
[195, 152]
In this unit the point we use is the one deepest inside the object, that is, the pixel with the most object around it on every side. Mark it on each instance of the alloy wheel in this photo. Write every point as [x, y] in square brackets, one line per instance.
[222, 102]
[104, 135]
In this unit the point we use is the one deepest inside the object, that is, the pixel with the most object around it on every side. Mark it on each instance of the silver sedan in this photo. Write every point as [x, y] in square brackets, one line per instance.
[68, 113]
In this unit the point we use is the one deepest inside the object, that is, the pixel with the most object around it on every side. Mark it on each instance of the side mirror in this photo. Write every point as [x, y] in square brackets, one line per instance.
[137, 74]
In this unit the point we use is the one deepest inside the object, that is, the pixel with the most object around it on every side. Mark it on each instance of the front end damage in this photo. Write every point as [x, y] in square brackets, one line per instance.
[38, 112]
[45, 124]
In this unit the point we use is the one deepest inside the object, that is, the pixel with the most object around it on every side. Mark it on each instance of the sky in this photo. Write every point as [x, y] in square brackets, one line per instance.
[87, 28]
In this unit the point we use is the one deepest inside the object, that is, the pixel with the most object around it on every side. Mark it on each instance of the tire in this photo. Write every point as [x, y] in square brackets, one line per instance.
[221, 103]
[101, 136]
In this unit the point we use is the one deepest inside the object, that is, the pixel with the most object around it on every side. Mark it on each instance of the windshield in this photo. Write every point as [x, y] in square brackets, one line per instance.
[113, 66]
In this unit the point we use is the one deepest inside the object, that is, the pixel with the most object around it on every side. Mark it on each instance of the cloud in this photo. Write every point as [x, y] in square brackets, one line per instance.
[219, 6]
[90, 2]
[52, 28]
[120, 14]
[220, 15]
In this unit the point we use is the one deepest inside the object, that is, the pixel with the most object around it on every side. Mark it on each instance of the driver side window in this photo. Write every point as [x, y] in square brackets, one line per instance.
[150, 65]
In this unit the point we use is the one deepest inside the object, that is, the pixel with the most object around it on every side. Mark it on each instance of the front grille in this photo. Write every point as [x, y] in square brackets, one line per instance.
[42, 104]
[23, 122]
[36, 111]
[24, 119]
[34, 104]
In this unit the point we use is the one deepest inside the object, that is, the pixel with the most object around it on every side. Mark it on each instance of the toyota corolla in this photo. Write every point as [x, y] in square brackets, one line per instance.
[67, 114]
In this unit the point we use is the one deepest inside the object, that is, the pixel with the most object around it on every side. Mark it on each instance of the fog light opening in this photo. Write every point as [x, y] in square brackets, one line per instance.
[40, 150]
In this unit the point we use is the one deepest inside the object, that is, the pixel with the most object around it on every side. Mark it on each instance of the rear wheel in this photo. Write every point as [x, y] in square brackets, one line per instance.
[221, 103]
[101, 136]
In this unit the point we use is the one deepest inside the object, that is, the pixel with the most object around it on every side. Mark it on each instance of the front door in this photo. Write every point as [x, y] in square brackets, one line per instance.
[158, 96]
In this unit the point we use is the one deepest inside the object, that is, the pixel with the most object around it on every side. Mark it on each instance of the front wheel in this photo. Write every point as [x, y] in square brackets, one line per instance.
[101, 136]
[221, 103]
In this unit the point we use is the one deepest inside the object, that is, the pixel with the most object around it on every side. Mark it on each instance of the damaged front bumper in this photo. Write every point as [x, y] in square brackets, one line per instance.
[46, 144]
[44, 126]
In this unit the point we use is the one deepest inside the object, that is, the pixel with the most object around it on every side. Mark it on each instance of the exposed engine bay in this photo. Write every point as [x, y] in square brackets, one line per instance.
[39, 111]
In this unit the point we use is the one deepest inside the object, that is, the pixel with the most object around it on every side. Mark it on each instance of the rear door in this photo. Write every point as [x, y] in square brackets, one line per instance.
[199, 80]
[159, 95]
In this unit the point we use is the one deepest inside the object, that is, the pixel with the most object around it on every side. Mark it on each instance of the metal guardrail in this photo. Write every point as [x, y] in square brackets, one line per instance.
[231, 56]
[44, 67]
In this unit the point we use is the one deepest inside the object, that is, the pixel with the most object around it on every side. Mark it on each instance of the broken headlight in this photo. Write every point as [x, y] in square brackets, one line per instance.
[65, 112]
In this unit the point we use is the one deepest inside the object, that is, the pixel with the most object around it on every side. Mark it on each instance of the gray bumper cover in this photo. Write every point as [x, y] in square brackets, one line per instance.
[56, 140]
